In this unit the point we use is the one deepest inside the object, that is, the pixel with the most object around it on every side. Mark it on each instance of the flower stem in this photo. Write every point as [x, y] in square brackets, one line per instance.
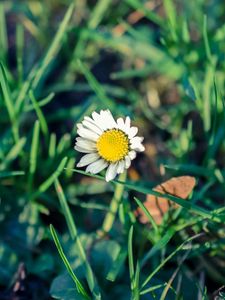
[114, 205]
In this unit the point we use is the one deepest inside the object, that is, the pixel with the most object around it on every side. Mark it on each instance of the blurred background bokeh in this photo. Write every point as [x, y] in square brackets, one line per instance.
[162, 63]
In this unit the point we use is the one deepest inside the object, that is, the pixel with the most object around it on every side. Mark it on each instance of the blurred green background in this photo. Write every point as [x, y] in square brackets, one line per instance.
[162, 63]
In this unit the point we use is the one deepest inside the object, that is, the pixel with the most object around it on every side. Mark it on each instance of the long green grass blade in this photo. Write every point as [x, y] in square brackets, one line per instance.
[40, 103]
[172, 17]
[3, 34]
[34, 153]
[186, 204]
[78, 284]
[74, 235]
[54, 47]
[64, 143]
[7, 97]
[93, 21]
[47, 183]
[95, 85]
[19, 52]
[148, 215]
[131, 258]
[13, 153]
[41, 117]
[163, 241]
[5, 174]
[206, 40]
[23, 91]
[147, 280]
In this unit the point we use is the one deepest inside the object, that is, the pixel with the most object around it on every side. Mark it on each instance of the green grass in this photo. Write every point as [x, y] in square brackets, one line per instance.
[78, 235]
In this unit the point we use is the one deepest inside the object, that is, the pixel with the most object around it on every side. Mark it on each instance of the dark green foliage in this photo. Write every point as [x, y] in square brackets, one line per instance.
[59, 61]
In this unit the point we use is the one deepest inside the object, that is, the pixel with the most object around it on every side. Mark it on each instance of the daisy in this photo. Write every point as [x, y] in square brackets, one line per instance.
[107, 143]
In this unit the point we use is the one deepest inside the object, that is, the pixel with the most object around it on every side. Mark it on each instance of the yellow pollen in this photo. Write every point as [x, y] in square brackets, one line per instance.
[113, 145]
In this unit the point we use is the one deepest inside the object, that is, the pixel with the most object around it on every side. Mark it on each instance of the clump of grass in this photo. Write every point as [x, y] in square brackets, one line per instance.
[163, 65]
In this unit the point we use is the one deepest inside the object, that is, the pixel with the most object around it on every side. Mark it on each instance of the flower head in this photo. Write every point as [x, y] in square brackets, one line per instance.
[107, 143]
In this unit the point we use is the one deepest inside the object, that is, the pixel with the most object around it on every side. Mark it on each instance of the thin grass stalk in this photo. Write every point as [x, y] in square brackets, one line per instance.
[114, 205]
[74, 235]
[78, 284]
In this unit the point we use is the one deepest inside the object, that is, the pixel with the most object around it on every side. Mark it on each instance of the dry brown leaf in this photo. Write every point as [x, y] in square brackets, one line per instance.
[180, 187]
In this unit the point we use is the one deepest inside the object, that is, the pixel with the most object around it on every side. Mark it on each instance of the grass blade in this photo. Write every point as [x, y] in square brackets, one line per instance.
[40, 103]
[19, 52]
[9, 103]
[3, 34]
[206, 40]
[172, 17]
[52, 145]
[159, 245]
[54, 48]
[13, 153]
[186, 204]
[95, 85]
[33, 153]
[167, 259]
[11, 173]
[74, 235]
[78, 284]
[47, 183]
[93, 21]
[41, 117]
[149, 14]
[148, 215]
[131, 258]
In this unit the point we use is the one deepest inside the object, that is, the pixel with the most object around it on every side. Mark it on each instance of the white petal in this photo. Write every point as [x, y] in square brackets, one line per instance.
[97, 166]
[121, 167]
[137, 139]
[88, 134]
[83, 150]
[81, 139]
[124, 125]
[132, 155]
[120, 124]
[99, 120]
[111, 172]
[132, 132]
[136, 144]
[127, 123]
[92, 127]
[95, 116]
[85, 144]
[88, 159]
[108, 118]
[137, 147]
[127, 162]
[90, 120]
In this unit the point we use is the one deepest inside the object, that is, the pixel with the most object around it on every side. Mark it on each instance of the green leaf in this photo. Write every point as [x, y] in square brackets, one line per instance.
[103, 257]
[62, 288]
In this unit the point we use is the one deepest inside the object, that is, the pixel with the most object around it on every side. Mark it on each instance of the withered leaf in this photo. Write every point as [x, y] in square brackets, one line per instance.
[180, 187]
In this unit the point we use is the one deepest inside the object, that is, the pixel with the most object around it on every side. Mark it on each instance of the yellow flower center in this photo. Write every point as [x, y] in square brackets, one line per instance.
[113, 145]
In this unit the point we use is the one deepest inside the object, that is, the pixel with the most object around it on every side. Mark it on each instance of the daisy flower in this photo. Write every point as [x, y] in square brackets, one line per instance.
[108, 143]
